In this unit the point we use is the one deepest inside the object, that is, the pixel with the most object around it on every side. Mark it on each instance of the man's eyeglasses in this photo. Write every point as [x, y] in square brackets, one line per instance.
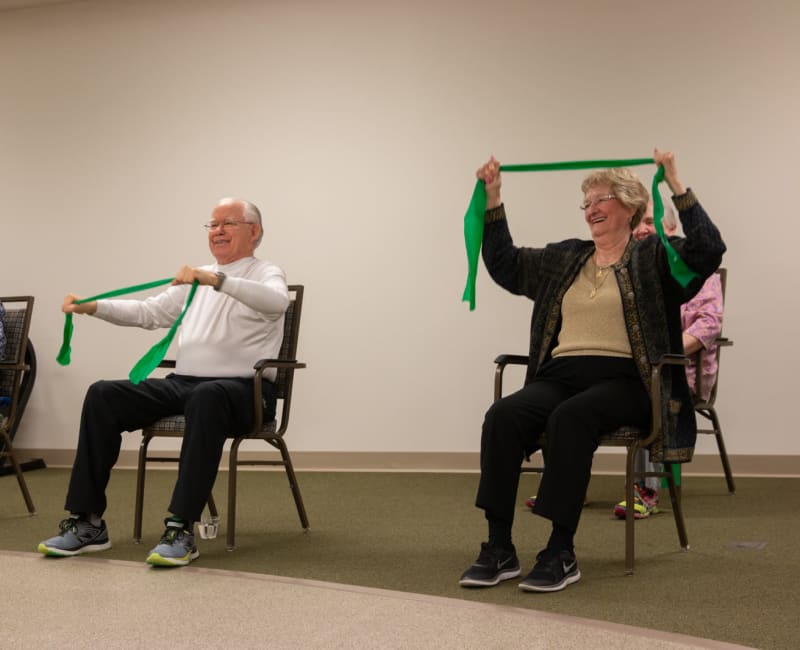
[228, 223]
[600, 199]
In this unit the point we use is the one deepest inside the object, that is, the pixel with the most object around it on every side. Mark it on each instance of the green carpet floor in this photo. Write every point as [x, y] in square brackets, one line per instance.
[417, 532]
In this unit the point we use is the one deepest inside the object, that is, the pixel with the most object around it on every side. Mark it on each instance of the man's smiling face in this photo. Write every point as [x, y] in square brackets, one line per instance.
[231, 238]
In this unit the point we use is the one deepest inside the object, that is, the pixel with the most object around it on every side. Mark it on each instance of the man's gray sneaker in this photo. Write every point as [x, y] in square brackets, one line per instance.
[77, 536]
[493, 565]
[553, 571]
[176, 548]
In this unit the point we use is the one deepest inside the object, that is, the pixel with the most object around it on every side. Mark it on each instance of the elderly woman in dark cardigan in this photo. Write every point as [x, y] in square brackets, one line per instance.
[605, 310]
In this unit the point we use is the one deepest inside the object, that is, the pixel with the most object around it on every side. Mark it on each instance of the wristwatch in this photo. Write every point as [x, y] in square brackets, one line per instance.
[220, 280]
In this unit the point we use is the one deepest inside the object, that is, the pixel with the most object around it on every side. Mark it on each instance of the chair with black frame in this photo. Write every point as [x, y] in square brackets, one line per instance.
[707, 408]
[17, 376]
[630, 437]
[271, 432]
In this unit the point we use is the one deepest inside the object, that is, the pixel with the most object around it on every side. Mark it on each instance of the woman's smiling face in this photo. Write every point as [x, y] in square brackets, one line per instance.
[604, 213]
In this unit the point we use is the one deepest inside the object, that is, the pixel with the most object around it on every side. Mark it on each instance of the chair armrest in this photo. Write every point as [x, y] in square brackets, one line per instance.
[672, 360]
[262, 364]
[502, 361]
[655, 393]
[512, 359]
[723, 342]
[13, 366]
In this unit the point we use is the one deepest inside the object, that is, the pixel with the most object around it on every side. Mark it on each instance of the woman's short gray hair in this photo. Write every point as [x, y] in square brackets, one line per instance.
[625, 186]
[250, 213]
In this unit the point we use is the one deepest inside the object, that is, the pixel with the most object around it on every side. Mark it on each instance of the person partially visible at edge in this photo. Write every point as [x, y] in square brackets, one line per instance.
[4, 399]
[605, 309]
[235, 318]
[2, 332]
[701, 322]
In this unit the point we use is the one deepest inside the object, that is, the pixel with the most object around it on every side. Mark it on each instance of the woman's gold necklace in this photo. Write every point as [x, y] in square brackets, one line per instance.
[599, 276]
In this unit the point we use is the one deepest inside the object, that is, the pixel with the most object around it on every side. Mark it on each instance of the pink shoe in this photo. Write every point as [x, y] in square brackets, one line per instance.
[649, 497]
[645, 503]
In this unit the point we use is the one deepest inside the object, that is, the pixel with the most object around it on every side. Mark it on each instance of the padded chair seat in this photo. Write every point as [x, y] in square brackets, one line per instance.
[622, 437]
[177, 423]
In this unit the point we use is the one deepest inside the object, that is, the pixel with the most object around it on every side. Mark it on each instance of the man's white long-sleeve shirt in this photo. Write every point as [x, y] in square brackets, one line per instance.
[223, 332]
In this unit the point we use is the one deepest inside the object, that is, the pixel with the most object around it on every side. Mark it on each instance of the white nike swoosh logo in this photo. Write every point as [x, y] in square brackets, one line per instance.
[568, 567]
[500, 565]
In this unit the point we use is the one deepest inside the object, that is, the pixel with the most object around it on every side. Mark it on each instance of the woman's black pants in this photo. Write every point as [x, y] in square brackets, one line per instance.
[572, 401]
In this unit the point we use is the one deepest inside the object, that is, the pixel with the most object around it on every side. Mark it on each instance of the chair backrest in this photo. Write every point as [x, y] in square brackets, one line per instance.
[288, 352]
[18, 366]
[723, 278]
[291, 333]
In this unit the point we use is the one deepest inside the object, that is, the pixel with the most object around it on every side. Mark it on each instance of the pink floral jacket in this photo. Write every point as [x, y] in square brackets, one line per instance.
[702, 318]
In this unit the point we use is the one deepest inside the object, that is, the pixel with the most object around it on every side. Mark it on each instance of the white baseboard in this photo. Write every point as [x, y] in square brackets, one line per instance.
[350, 461]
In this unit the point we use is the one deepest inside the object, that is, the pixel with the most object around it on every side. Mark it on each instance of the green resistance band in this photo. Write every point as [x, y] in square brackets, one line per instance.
[154, 355]
[474, 217]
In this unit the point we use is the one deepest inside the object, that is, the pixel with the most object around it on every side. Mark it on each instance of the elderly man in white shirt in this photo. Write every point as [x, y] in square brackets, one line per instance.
[235, 318]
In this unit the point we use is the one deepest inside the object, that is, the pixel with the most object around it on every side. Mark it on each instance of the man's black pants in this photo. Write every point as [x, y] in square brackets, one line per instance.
[214, 409]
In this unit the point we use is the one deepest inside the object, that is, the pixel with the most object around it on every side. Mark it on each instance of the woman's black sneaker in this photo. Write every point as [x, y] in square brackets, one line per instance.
[494, 564]
[553, 571]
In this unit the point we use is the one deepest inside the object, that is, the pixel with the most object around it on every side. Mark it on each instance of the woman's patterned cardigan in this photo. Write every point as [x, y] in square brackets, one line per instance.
[651, 300]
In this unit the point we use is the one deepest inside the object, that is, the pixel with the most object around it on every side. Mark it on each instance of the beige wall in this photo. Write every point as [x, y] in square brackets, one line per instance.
[357, 126]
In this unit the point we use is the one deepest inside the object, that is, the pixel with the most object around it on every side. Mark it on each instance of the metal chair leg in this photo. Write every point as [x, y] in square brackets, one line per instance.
[723, 454]
[232, 467]
[212, 507]
[140, 472]
[677, 509]
[23, 486]
[287, 463]
[629, 511]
